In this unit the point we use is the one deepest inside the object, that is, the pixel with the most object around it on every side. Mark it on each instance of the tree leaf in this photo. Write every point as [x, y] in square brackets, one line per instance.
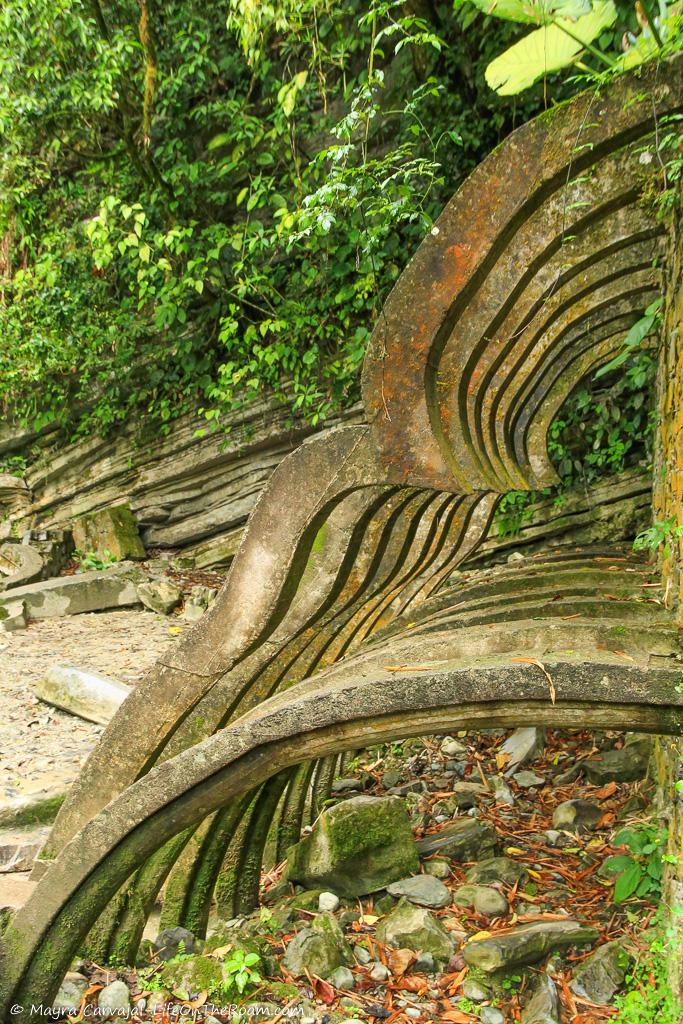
[534, 12]
[627, 882]
[547, 49]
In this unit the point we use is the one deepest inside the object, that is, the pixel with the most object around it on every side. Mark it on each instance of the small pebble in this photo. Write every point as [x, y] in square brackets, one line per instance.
[380, 973]
[328, 901]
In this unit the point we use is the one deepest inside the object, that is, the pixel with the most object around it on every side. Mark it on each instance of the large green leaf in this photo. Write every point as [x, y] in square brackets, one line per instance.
[548, 49]
[534, 12]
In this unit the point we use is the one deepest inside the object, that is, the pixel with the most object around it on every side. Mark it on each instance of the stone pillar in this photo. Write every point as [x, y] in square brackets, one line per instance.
[668, 505]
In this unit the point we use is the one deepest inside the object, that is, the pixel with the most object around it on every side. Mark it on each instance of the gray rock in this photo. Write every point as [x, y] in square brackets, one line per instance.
[410, 927]
[424, 964]
[528, 780]
[462, 840]
[501, 791]
[87, 694]
[346, 785]
[13, 616]
[379, 974]
[70, 992]
[576, 814]
[491, 1015]
[160, 596]
[319, 949]
[362, 954]
[552, 837]
[391, 778]
[114, 998]
[328, 901]
[601, 976]
[424, 890]
[342, 978]
[451, 747]
[626, 765]
[526, 944]
[496, 869]
[471, 989]
[544, 1005]
[199, 599]
[20, 847]
[356, 847]
[438, 868]
[172, 941]
[485, 900]
[523, 745]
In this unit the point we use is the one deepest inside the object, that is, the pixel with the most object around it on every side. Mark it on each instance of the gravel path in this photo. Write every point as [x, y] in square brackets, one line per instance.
[41, 748]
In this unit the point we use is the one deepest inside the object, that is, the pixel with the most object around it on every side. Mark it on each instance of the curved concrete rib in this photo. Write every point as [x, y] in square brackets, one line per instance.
[530, 279]
[553, 201]
[318, 717]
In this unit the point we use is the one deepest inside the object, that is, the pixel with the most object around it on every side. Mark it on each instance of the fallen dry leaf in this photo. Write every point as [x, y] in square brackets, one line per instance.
[400, 960]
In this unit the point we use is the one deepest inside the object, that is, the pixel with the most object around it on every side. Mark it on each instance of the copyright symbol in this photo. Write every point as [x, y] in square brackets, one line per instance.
[16, 1009]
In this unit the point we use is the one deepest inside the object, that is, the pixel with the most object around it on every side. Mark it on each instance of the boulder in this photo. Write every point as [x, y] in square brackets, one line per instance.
[410, 927]
[356, 847]
[576, 814]
[462, 840]
[320, 949]
[160, 596]
[172, 941]
[73, 595]
[19, 564]
[111, 531]
[544, 1005]
[114, 999]
[496, 869]
[485, 900]
[438, 868]
[526, 944]
[600, 976]
[521, 746]
[87, 694]
[625, 765]
[424, 890]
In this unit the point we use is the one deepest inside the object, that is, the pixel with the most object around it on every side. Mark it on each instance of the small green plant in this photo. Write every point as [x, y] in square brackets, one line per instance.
[649, 999]
[660, 534]
[239, 971]
[89, 560]
[648, 324]
[638, 873]
[513, 511]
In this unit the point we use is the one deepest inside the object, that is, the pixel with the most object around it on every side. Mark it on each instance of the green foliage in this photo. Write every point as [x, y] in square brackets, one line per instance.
[571, 31]
[186, 222]
[660, 535]
[639, 872]
[89, 560]
[648, 998]
[239, 971]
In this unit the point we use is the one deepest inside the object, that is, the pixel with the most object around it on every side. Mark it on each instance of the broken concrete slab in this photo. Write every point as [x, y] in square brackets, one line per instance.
[19, 848]
[13, 616]
[73, 595]
[112, 530]
[89, 695]
[160, 596]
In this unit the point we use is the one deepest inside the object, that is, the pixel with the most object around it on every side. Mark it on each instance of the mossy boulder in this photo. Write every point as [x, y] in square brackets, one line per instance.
[411, 927]
[193, 974]
[526, 945]
[356, 847]
[111, 530]
[319, 949]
